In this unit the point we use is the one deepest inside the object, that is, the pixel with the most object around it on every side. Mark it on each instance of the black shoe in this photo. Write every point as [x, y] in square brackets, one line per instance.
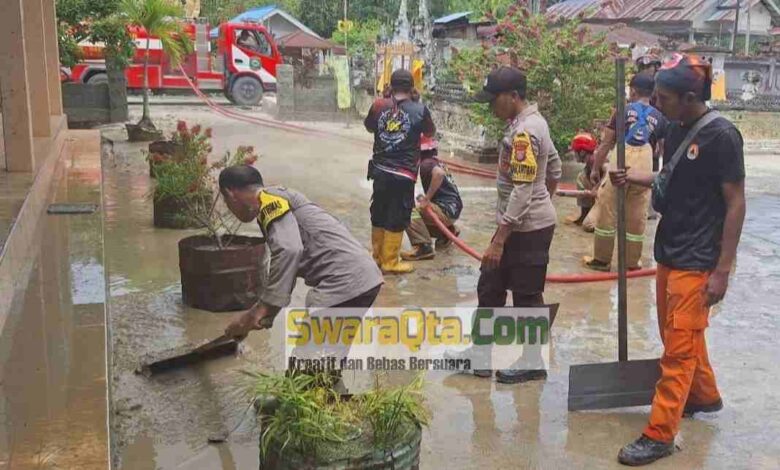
[419, 253]
[644, 451]
[483, 373]
[514, 376]
[691, 408]
[444, 242]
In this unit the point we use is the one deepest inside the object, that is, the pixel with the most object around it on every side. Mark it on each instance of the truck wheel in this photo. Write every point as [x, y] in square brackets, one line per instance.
[246, 91]
[97, 79]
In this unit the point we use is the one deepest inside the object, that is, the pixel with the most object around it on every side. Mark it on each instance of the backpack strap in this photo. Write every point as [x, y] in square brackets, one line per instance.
[692, 133]
[642, 114]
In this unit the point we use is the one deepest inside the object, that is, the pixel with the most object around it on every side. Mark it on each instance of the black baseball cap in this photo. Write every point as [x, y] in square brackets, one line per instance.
[402, 79]
[502, 80]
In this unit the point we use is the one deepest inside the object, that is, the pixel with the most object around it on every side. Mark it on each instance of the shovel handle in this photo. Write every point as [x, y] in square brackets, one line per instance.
[620, 131]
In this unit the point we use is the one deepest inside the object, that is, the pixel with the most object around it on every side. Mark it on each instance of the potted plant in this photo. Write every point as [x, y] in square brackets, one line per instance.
[220, 270]
[183, 194]
[307, 425]
[159, 18]
[183, 143]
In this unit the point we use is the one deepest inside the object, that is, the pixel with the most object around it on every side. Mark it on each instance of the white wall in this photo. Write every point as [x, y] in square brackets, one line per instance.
[280, 27]
[760, 20]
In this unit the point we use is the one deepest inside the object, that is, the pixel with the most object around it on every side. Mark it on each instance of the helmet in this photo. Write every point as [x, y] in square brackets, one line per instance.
[647, 60]
[428, 143]
[584, 142]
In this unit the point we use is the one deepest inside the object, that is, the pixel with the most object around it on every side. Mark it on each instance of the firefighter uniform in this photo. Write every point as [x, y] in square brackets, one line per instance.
[639, 157]
[305, 241]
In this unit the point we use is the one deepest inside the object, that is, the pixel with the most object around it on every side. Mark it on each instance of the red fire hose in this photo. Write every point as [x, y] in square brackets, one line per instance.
[455, 166]
[555, 278]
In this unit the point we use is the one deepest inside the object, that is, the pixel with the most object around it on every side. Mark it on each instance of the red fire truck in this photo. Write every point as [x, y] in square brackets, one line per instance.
[243, 68]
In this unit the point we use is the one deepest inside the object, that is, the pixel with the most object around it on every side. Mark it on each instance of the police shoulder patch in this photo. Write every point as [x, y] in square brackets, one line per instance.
[272, 207]
[522, 164]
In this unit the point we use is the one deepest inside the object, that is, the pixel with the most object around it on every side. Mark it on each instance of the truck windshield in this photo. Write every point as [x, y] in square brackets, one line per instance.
[253, 40]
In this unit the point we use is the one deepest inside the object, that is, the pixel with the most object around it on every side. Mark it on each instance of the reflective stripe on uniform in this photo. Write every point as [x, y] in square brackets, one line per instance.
[635, 238]
[604, 233]
[416, 214]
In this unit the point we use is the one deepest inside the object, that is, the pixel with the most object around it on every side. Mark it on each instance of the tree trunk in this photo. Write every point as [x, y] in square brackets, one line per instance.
[117, 89]
[146, 121]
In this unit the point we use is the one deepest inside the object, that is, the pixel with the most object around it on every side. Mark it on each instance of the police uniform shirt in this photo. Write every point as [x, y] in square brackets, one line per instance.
[527, 159]
[305, 241]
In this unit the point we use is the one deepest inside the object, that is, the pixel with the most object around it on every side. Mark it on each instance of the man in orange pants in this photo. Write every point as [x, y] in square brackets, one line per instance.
[700, 194]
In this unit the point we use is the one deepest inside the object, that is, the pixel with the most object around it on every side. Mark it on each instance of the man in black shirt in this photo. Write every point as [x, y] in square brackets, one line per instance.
[397, 124]
[443, 198]
[701, 200]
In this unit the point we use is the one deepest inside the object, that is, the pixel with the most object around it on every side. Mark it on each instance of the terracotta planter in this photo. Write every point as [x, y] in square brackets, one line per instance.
[220, 280]
[171, 213]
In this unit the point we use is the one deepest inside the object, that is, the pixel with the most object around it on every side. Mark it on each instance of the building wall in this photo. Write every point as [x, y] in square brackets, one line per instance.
[280, 27]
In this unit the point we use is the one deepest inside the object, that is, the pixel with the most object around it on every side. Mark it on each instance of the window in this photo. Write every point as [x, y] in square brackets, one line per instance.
[253, 40]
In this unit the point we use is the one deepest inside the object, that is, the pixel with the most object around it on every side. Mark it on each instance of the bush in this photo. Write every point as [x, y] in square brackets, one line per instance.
[570, 73]
[187, 177]
[304, 414]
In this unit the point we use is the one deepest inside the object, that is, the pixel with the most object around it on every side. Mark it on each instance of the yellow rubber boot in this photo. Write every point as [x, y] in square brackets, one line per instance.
[377, 239]
[391, 248]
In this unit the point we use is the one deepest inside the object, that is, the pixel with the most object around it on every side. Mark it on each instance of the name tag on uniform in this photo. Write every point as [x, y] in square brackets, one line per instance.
[522, 164]
[272, 207]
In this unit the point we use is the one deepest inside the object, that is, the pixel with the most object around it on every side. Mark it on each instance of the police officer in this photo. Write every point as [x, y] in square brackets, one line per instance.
[304, 241]
[397, 123]
[528, 173]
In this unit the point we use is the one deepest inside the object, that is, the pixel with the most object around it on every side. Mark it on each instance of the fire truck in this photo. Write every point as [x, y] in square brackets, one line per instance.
[244, 66]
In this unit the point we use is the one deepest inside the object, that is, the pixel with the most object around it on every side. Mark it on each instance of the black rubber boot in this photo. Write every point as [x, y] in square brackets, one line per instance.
[515, 376]
[483, 373]
[692, 408]
[644, 451]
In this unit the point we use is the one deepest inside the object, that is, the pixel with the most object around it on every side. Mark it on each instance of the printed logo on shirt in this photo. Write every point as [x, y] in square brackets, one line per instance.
[271, 208]
[522, 164]
[393, 127]
[693, 152]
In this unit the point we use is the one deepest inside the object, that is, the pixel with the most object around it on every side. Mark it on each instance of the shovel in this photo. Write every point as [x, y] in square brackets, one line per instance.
[623, 383]
[222, 346]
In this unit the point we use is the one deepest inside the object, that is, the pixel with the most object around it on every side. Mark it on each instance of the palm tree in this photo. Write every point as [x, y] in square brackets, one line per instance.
[160, 18]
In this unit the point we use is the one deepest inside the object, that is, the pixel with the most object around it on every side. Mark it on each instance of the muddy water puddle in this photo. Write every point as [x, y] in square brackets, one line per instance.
[165, 422]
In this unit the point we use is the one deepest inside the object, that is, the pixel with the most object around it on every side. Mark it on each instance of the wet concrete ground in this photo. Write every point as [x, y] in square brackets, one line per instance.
[53, 387]
[164, 422]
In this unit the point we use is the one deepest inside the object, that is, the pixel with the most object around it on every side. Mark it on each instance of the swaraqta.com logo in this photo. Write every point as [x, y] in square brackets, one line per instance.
[418, 338]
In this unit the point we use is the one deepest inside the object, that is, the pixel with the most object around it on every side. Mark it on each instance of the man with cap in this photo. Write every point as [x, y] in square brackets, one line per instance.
[397, 123]
[700, 194]
[644, 133]
[443, 199]
[304, 241]
[528, 173]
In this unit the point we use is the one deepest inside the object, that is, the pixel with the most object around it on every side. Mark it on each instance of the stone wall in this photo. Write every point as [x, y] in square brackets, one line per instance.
[759, 129]
[459, 134]
[89, 105]
[317, 100]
